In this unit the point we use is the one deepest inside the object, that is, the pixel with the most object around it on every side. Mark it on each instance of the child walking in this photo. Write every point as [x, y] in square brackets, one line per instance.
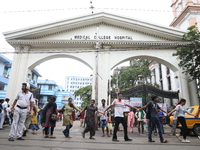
[34, 121]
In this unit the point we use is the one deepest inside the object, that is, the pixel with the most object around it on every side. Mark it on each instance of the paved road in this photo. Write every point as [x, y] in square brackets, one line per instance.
[38, 142]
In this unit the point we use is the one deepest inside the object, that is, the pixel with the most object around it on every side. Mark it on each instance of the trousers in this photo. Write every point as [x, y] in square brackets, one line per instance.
[19, 118]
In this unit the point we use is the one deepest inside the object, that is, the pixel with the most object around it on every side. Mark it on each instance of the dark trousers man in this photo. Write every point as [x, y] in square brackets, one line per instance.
[155, 122]
[119, 120]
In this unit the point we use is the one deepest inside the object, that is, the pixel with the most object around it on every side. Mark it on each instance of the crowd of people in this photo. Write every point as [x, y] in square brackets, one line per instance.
[25, 115]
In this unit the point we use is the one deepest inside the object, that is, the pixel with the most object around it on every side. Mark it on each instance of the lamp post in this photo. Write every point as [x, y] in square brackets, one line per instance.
[141, 81]
[117, 70]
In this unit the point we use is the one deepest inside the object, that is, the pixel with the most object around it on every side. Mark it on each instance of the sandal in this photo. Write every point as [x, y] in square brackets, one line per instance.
[92, 138]
[163, 141]
[150, 140]
[51, 136]
[46, 136]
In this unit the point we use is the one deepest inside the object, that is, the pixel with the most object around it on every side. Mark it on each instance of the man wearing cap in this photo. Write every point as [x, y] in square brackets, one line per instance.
[20, 107]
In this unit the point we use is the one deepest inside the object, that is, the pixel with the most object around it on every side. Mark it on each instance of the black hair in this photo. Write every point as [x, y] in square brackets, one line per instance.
[181, 100]
[53, 98]
[153, 97]
[103, 100]
[7, 99]
[92, 100]
[119, 94]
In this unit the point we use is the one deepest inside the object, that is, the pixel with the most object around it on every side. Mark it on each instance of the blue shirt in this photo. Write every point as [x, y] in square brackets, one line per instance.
[161, 114]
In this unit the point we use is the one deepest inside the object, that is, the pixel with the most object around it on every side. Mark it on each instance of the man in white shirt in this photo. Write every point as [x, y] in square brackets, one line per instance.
[4, 112]
[23, 101]
[1, 111]
[119, 105]
[104, 118]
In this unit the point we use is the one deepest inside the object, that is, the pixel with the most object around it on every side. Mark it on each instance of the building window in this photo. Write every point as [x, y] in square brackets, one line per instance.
[1, 87]
[169, 83]
[50, 87]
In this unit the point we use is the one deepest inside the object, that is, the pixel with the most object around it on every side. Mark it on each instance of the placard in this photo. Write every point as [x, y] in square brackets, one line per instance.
[136, 101]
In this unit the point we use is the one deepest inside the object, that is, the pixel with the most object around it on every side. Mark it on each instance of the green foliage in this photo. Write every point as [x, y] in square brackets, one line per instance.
[189, 55]
[85, 94]
[129, 75]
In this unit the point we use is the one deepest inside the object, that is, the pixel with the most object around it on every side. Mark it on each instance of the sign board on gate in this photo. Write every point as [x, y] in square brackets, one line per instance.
[136, 101]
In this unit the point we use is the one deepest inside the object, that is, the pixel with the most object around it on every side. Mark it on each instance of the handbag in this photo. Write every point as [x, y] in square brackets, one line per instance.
[53, 117]
[74, 115]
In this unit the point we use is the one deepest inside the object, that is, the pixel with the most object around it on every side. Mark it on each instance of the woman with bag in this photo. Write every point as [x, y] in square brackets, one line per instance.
[68, 109]
[49, 117]
[181, 118]
[90, 119]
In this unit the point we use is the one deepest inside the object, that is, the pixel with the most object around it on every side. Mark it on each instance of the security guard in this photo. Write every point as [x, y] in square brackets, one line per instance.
[23, 101]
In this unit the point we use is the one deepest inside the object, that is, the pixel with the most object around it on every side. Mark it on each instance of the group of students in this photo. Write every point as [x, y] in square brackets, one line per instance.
[24, 106]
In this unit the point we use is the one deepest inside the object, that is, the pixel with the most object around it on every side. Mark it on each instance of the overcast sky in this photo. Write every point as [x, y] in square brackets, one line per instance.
[16, 14]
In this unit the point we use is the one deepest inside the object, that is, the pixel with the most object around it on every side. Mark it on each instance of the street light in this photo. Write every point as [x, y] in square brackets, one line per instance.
[141, 81]
[117, 70]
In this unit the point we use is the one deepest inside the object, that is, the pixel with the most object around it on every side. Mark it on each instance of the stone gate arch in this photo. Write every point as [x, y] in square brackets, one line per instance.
[120, 38]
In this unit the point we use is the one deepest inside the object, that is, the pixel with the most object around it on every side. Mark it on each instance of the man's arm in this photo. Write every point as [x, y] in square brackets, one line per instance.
[143, 107]
[13, 105]
[31, 107]
[131, 106]
[108, 108]
[163, 111]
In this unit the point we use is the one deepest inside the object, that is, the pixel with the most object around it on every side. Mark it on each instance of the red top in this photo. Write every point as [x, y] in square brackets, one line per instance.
[82, 115]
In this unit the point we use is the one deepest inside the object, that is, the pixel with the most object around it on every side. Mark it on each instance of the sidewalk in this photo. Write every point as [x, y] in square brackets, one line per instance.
[34, 142]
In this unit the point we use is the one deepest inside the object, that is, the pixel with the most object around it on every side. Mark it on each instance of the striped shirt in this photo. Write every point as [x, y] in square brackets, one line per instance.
[119, 107]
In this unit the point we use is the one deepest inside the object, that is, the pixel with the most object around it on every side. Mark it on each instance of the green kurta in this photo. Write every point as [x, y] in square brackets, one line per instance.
[67, 116]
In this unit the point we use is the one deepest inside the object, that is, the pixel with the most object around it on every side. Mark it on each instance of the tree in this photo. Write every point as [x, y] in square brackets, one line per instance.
[189, 55]
[85, 94]
[129, 75]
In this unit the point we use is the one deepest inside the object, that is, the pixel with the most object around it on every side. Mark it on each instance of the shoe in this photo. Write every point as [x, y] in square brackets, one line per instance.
[185, 141]
[103, 135]
[83, 134]
[115, 140]
[1, 128]
[11, 139]
[150, 140]
[170, 134]
[178, 137]
[128, 139]
[63, 132]
[163, 141]
[108, 135]
[24, 134]
[92, 138]
[20, 138]
[68, 136]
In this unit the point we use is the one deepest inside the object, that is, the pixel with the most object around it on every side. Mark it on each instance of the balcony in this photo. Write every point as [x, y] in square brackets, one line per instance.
[47, 92]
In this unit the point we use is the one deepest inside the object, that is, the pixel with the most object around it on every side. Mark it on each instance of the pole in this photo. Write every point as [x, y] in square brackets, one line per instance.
[97, 60]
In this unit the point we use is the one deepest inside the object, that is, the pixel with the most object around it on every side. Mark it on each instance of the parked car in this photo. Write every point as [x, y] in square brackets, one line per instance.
[193, 123]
